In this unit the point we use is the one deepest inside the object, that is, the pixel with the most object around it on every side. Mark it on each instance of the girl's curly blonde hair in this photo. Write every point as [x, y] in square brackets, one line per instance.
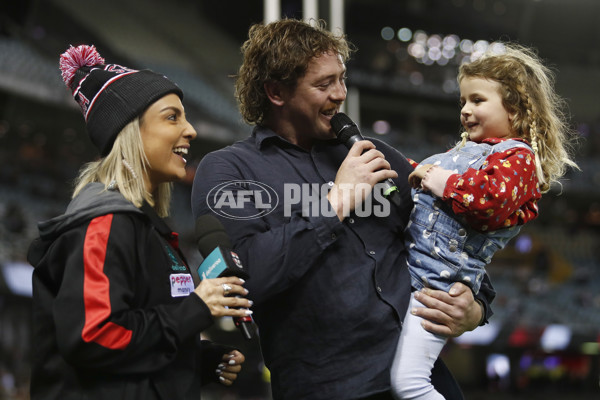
[527, 90]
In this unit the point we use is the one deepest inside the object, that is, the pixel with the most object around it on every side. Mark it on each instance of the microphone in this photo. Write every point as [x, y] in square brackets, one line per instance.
[348, 133]
[220, 261]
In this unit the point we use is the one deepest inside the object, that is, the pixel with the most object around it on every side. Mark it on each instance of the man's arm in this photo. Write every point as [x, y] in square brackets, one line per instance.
[276, 250]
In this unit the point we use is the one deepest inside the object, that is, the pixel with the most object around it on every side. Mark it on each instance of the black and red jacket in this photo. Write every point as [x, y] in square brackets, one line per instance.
[108, 321]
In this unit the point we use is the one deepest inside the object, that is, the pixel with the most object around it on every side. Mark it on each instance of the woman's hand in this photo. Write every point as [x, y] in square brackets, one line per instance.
[219, 295]
[230, 367]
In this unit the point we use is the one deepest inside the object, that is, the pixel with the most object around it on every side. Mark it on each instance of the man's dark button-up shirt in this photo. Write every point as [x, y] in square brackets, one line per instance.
[329, 295]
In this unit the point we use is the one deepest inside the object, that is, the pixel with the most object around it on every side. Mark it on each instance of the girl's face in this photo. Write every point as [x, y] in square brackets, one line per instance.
[166, 136]
[482, 115]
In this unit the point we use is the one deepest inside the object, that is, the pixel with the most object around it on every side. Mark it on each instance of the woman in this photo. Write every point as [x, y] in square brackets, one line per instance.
[116, 313]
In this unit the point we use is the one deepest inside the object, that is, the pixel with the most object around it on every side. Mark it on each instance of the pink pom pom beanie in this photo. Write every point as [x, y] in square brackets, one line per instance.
[110, 95]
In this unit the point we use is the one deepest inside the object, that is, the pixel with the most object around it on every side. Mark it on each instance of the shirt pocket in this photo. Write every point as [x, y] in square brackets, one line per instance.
[438, 235]
[482, 247]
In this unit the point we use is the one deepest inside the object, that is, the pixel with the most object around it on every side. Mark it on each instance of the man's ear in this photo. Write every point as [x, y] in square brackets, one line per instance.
[274, 91]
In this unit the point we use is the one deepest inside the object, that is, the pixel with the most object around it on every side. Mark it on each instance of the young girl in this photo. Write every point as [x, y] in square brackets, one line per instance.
[470, 201]
[116, 312]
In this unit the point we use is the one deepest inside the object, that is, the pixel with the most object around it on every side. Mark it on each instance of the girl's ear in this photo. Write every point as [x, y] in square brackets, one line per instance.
[275, 92]
[511, 116]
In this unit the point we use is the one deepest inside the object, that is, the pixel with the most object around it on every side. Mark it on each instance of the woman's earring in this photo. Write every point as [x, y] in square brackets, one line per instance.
[129, 168]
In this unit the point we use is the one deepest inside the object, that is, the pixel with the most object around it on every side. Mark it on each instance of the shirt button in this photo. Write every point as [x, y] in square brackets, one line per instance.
[372, 252]
[379, 289]
[462, 232]
[351, 220]
[333, 236]
[330, 183]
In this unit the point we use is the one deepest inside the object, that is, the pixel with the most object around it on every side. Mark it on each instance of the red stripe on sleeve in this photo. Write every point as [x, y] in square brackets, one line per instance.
[96, 295]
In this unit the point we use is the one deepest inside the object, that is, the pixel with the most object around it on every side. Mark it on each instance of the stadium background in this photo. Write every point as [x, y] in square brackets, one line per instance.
[543, 341]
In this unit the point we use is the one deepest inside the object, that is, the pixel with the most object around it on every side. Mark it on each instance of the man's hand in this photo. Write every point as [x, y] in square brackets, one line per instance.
[449, 314]
[362, 168]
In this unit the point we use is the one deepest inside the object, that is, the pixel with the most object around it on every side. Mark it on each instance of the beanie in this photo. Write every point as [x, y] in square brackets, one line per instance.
[110, 95]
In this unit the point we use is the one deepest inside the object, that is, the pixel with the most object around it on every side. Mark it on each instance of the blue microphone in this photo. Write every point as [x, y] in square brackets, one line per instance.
[220, 261]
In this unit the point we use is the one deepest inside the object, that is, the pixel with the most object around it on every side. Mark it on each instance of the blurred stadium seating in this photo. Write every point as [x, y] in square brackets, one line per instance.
[543, 340]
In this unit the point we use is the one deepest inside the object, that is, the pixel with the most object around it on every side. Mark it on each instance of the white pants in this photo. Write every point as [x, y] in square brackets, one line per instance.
[415, 355]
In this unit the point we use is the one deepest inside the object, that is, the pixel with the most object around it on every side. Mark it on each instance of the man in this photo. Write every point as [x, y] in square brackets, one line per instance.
[327, 262]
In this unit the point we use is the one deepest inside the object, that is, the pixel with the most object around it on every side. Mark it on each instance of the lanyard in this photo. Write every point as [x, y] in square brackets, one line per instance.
[163, 229]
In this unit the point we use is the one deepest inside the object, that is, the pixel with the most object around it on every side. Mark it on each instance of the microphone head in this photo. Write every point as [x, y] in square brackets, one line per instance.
[210, 233]
[340, 121]
[345, 129]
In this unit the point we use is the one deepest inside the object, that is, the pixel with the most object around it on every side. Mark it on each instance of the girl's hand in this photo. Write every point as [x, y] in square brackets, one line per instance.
[435, 179]
[417, 175]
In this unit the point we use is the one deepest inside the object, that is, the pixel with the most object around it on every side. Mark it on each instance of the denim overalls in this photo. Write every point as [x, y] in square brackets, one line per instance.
[442, 249]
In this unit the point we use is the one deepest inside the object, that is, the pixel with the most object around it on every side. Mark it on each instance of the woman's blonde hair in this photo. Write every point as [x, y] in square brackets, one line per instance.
[527, 90]
[124, 168]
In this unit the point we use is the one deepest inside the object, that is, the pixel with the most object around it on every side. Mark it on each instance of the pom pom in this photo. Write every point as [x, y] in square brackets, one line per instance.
[77, 57]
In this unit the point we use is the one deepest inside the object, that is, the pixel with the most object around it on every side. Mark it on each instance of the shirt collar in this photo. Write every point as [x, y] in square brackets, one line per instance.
[263, 135]
[500, 140]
